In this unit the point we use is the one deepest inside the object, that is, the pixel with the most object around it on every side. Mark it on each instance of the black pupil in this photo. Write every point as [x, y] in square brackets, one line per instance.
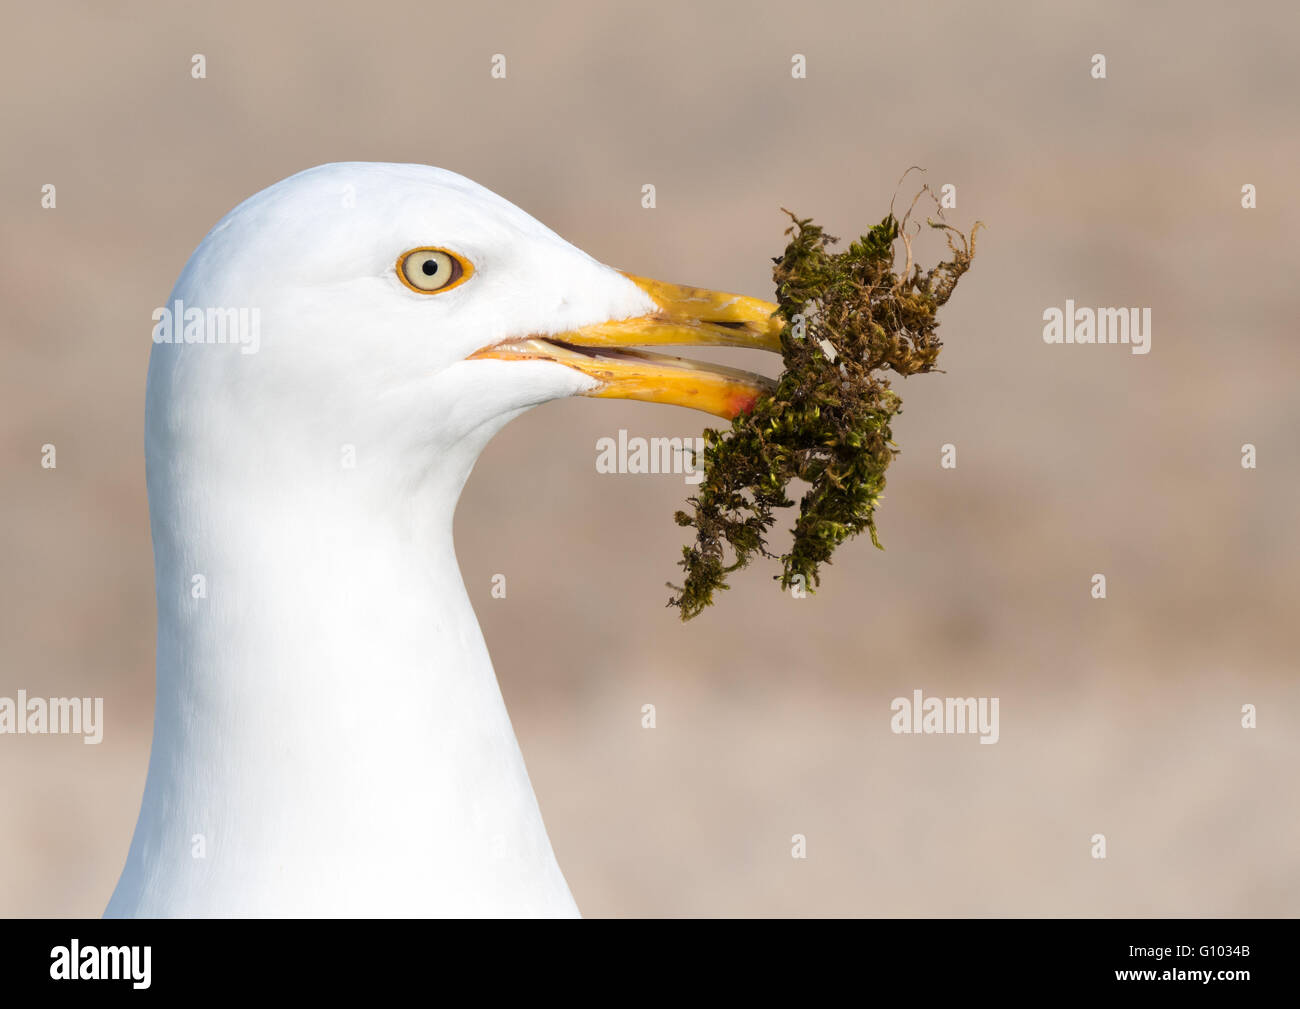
[430, 267]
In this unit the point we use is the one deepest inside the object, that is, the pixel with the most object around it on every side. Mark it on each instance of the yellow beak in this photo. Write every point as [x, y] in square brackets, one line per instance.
[686, 316]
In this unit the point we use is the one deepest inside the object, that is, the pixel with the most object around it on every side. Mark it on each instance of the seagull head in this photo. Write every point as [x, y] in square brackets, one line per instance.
[405, 310]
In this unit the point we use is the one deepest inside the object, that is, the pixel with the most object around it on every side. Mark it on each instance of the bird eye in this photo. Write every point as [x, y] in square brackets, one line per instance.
[431, 269]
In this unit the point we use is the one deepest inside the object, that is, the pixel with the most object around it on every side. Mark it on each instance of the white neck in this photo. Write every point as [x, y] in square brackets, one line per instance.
[328, 721]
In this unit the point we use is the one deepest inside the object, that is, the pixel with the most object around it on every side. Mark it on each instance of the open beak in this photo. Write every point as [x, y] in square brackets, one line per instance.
[686, 316]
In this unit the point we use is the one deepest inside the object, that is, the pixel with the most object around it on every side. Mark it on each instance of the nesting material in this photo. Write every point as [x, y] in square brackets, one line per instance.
[850, 321]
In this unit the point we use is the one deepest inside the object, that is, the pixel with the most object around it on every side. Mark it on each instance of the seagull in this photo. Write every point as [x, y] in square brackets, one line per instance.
[329, 736]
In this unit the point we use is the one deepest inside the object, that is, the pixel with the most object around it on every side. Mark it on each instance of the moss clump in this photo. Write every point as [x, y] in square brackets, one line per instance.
[850, 320]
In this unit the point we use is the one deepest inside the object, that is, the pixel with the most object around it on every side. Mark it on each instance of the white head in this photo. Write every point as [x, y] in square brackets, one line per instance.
[375, 286]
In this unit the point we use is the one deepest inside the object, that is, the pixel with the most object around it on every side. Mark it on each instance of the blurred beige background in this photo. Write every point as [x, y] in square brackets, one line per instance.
[1118, 717]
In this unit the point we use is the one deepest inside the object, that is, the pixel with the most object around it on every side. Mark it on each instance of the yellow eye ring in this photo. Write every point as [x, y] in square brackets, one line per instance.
[432, 270]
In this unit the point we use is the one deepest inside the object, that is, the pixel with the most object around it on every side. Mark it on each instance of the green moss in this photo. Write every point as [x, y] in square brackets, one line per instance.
[828, 422]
